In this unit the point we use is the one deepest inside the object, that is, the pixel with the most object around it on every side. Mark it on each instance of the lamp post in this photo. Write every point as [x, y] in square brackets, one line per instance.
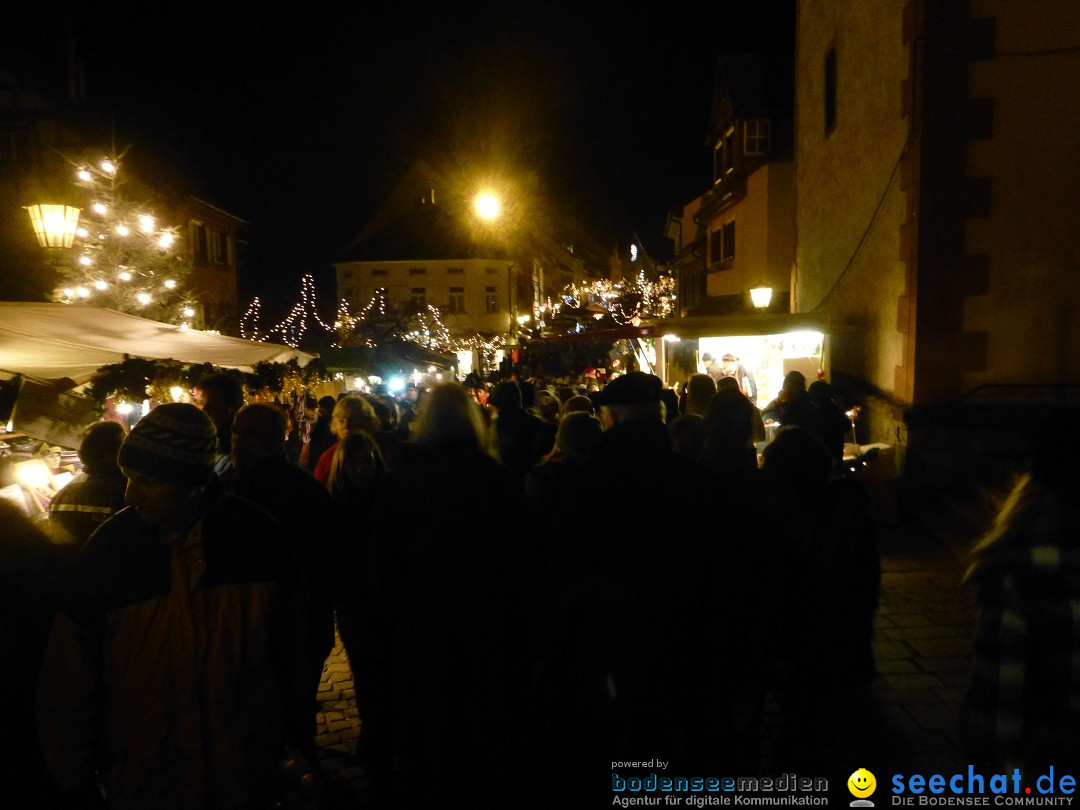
[54, 225]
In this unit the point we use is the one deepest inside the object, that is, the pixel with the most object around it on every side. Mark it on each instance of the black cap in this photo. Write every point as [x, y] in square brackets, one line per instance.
[635, 388]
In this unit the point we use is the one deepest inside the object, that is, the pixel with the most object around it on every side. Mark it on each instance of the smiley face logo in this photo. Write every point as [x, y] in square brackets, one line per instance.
[861, 783]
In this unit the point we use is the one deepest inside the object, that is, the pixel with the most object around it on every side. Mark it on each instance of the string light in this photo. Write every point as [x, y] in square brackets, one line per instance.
[626, 302]
[293, 328]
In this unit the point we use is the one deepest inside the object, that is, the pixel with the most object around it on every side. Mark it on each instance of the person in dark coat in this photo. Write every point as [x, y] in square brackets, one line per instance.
[792, 405]
[631, 578]
[321, 437]
[518, 439]
[828, 422]
[578, 435]
[90, 499]
[447, 628]
[34, 576]
[171, 676]
[827, 581]
[266, 475]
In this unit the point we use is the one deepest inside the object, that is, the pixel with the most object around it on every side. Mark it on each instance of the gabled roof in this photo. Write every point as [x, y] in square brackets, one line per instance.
[419, 230]
[748, 85]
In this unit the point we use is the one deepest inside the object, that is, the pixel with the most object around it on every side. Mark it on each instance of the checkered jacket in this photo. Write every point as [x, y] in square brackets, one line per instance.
[1022, 707]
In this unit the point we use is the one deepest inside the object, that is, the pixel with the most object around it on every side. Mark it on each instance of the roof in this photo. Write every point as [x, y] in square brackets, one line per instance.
[54, 341]
[422, 231]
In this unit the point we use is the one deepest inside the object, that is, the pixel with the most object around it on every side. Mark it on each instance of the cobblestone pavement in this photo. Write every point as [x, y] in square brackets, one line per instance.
[904, 721]
[343, 777]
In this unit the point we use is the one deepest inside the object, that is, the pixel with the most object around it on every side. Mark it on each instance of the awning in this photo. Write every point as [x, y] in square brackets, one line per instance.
[54, 341]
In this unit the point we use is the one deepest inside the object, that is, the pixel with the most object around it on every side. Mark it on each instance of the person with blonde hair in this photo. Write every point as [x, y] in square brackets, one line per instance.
[352, 414]
[448, 669]
[449, 417]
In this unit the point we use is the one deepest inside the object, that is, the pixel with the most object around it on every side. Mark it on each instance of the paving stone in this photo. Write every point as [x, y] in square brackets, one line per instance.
[888, 666]
[911, 620]
[908, 681]
[901, 633]
[931, 742]
[955, 678]
[890, 649]
[957, 663]
[942, 647]
[951, 694]
[950, 631]
[935, 716]
[893, 697]
[895, 717]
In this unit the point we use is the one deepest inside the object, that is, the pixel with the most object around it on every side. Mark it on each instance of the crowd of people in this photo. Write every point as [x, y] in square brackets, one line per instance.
[543, 583]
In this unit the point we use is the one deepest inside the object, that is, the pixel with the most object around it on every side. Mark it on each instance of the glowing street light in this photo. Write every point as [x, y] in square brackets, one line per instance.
[487, 206]
[761, 296]
[54, 225]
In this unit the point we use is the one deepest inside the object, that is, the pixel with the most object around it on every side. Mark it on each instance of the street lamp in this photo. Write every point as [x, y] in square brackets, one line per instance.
[54, 225]
[761, 296]
[487, 206]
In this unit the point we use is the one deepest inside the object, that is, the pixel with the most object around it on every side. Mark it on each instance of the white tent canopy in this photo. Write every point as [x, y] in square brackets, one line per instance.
[52, 341]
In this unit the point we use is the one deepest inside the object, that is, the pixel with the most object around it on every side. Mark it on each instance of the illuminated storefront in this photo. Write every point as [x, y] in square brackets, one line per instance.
[766, 346]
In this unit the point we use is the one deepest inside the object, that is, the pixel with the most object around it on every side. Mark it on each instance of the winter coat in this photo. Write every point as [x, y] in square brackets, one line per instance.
[170, 673]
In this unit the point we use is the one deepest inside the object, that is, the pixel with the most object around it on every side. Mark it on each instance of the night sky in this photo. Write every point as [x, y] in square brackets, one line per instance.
[301, 124]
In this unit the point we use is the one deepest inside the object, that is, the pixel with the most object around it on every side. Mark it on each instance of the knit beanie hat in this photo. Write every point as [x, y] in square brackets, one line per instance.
[174, 442]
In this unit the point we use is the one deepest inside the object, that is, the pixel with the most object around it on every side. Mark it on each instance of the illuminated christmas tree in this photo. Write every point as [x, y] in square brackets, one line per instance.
[123, 257]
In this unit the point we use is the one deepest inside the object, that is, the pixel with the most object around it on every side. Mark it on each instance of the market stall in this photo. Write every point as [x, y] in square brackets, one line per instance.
[49, 353]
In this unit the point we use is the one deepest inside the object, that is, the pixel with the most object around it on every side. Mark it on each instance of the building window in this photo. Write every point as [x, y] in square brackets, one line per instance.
[220, 247]
[724, 155]
[722, 246]
[200, 248]
[378, 271]
[830, 91]
[756, 134]
[491, 271]
[457, 300]
[15, 150]
[418, 297]
[727, 254]
[417, 271]
[490, 305]
[455, 271]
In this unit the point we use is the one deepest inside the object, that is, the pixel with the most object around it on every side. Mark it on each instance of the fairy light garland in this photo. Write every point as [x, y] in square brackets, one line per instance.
[293, 328]
[625, 301]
